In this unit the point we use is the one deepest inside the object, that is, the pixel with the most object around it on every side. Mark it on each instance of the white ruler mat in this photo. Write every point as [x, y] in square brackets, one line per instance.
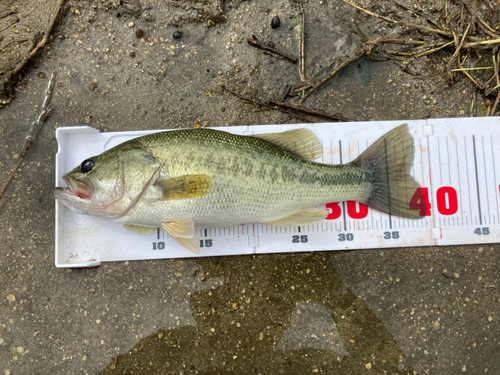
[454, 162]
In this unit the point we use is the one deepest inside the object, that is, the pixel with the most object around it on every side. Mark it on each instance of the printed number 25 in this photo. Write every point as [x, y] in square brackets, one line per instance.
[299, 239]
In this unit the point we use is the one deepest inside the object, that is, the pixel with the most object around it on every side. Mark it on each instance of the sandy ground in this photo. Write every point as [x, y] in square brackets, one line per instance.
[419, 310]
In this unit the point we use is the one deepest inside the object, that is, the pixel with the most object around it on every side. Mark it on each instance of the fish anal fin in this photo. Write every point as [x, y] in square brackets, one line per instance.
[301, 142]
[139, 229]
[185, 187]
[305, 216]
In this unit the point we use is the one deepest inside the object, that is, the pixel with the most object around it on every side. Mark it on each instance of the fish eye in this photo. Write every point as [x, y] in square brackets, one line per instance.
[87, 165]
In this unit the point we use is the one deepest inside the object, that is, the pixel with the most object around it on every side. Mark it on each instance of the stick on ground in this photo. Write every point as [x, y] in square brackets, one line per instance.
[35, 127]
[42, 42]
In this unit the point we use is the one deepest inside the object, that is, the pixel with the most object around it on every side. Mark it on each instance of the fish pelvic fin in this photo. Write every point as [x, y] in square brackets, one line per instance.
[305, 216]
[185, 187]
[192, 244]
[180, 228]
[301, 142]
[388, 162]
[182, 232]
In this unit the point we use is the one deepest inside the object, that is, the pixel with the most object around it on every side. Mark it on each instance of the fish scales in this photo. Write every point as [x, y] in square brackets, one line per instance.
[243, 169]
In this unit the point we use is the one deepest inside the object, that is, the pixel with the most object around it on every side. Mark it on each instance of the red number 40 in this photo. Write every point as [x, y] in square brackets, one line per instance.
[446, 200]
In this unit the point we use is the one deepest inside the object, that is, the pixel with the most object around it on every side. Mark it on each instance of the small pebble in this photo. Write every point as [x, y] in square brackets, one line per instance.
[177, 34]
[275, 22]
[93, 86]
[139, 33]
[20, 349]
[490, 318]
[368, 366]
[261, 336]
[132, 54]
[11, 298]
[131, 24]
[41, 75]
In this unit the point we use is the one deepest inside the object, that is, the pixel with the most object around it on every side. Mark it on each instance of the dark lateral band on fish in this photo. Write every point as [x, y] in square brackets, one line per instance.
[254, 42]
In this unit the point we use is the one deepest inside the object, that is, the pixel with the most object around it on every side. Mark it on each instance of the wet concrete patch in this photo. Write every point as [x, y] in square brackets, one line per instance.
[247, 325]
[440, 304]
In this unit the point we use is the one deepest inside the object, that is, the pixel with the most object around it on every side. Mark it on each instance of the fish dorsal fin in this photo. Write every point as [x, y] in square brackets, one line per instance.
[185, 187]
[305, 216]
[301, 142]
[139, 229]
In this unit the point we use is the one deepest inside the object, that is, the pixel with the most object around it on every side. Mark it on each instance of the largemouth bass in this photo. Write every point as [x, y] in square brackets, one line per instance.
[182, 179]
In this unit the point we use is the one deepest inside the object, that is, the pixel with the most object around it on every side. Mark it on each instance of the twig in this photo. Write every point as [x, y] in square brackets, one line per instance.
[281, 106]
[434, 49]
[35, 127]
[390, 20]
[486, 28]
[6, 27]
[476, 68]
[358, 55]
[313, 112]
[409, 42]
[13, 41]
[303, 46]
[495, 104]
[481, 43]
[263, 104]
[7, 13]
[42, 42]
[482, 25]
[254, 42]
[497, 78]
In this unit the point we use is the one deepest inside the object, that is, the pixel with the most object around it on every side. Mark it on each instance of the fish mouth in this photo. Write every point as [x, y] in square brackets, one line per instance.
[76, 187]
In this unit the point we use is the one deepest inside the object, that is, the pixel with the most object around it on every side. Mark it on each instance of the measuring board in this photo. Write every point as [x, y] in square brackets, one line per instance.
[457, 163]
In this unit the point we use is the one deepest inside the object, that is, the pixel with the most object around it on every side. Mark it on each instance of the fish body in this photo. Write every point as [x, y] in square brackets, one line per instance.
[208, 178]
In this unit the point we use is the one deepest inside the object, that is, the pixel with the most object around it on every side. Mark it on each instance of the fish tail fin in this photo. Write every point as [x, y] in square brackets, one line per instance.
[388, 162]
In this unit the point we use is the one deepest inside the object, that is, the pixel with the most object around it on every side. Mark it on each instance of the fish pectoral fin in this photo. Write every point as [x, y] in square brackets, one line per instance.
[301, 142]
[185, 187]
[180, 228]
[144, 231]
[303, 217]
[192, 244]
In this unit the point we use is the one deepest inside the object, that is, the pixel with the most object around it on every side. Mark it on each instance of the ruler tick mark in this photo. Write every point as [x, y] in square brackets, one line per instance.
[477, 181]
